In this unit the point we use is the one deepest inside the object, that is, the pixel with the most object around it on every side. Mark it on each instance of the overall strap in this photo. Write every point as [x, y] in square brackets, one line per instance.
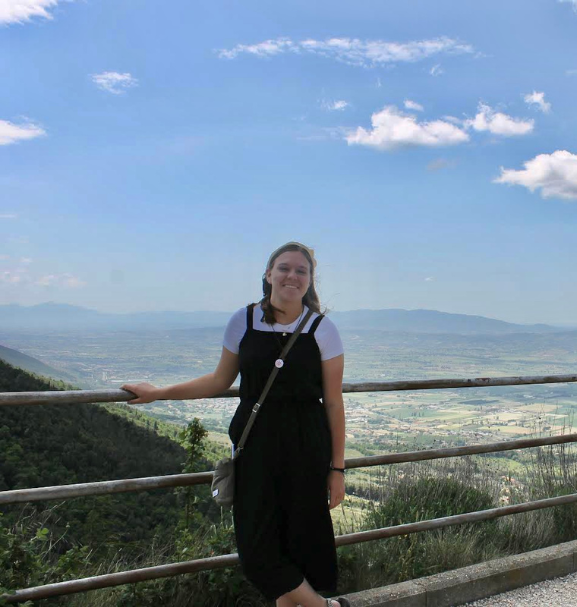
[278, 365]
[249, 315]
[315, 324]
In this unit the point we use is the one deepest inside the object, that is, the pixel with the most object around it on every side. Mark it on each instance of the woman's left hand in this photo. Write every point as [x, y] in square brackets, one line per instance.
[336, 487]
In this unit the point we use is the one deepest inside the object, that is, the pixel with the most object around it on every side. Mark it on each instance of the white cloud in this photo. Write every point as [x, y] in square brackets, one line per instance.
[413, 105]
[114, 82]
[268, 48]
[454, 120]
[333, 106]
[571, 72]
[12, 133]
[429, 279]
[365, 53]
[555, 174]
[20, 11]
[573, 2]
[393, 129]
[18, 273]
[8, 216]
[436, 70]
[10, 277]
[46, 281]
[538, 99]
[498, 123]
[73, 282]
[60, 280]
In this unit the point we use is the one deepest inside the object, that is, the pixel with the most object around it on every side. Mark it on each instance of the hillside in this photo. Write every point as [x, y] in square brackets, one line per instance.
[33, 365]
[53, 445]
[74, 443]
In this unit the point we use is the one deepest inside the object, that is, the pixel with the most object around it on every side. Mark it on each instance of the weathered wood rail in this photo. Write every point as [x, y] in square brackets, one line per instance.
[60, 492]
[222, 561]
[231, 560]
[76, 397]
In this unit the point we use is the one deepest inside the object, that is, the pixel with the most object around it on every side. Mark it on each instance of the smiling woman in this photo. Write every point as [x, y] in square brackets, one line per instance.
[288, 284]
[291, 471]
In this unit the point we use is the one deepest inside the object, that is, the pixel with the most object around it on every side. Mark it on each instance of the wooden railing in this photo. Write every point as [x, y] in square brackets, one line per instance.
[229, 560]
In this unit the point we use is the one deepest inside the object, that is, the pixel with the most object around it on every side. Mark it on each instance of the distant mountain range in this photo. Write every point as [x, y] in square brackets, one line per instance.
[62, 317]
[52, 316]
[431, 321]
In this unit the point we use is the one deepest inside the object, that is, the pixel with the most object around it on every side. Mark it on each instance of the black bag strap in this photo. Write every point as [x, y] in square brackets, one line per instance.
[271, 378]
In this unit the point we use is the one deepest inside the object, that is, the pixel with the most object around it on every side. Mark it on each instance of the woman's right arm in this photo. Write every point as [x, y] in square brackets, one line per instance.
[203, 387]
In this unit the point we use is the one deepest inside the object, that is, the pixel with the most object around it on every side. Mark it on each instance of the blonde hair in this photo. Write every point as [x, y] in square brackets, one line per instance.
[310, 298]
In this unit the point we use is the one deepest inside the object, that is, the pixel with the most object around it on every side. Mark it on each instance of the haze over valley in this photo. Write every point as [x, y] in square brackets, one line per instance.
[103, 357]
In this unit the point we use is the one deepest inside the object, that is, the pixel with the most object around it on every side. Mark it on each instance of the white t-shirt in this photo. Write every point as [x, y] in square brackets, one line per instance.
[326, 335]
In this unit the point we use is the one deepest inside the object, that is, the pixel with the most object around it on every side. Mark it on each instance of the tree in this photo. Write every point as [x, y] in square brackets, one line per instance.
[191, 438]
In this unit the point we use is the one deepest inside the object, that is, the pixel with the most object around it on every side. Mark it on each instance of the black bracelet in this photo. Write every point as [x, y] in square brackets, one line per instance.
[338, 469]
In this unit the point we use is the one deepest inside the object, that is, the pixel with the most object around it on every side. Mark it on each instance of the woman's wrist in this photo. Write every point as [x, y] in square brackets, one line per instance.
[157, 393]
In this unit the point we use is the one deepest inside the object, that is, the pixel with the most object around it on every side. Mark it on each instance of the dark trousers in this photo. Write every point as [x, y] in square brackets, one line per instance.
[282, 521]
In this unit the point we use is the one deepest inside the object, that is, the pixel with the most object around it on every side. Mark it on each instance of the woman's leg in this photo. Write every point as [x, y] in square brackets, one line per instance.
[304, 595]
[308, 535]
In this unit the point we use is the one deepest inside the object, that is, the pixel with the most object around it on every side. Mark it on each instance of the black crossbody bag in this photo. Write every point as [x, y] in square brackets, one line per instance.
[223, 476]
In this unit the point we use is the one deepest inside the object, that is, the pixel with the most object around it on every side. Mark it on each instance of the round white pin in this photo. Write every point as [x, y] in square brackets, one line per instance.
[278, 363]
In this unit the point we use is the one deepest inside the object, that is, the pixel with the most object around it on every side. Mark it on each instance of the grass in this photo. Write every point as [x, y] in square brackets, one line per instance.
[430, 489]
[395, 494]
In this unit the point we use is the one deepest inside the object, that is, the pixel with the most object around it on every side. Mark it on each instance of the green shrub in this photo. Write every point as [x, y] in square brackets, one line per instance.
[400, 558]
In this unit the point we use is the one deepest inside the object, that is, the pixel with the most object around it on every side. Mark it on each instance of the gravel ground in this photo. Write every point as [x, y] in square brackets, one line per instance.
[560, 592]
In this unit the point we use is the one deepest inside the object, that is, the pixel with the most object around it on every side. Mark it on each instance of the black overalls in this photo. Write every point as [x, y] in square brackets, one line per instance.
[281, 514]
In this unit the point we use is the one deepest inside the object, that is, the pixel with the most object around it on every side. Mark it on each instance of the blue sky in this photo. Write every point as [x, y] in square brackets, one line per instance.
[153, 154]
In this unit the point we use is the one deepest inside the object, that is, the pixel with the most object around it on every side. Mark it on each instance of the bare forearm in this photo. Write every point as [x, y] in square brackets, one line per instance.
[201, 387]
[336, 417]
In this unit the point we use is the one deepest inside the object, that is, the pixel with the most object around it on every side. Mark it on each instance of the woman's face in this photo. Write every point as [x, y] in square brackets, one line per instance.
[289, 277]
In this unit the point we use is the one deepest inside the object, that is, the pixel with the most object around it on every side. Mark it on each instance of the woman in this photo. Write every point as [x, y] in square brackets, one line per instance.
[295, 451]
